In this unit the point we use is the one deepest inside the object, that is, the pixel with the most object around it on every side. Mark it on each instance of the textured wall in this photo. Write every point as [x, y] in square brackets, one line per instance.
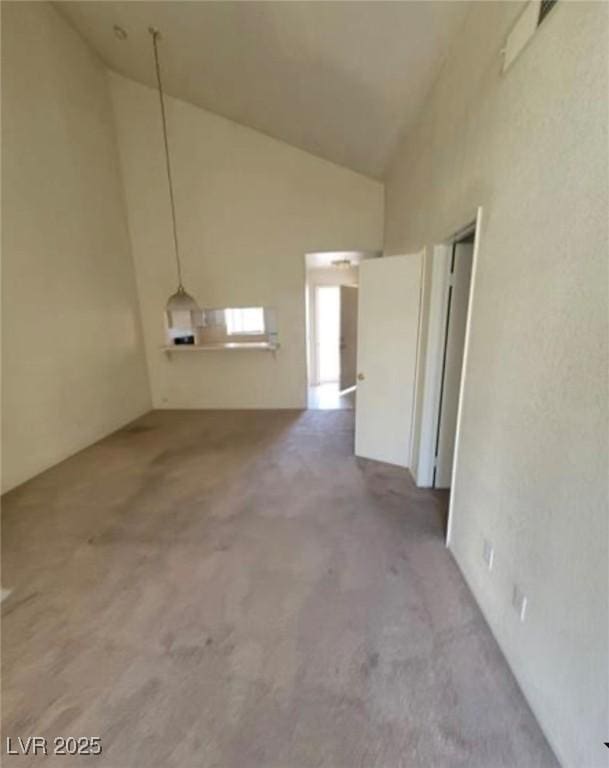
[531, 148]
[248, 208]
[73, 363]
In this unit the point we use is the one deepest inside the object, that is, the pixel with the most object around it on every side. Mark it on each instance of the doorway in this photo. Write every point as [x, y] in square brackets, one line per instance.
[331, 325]
[457, 302]
[327, 334]
[446, 309]
[333, 340]
[324, 389]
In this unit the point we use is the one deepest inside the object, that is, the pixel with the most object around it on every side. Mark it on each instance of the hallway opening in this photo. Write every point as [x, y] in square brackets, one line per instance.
[331, 298]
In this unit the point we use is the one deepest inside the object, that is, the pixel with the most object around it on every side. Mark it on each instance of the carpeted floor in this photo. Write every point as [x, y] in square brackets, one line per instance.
[236, 590]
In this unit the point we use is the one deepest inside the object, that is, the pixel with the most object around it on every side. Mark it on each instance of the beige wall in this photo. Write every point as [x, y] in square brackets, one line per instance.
[531, 148]
[73, 366]
[249, 208]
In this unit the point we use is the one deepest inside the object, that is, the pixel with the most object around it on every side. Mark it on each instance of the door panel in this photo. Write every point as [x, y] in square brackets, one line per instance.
[388, 321]
[348, 336]
[458, 297]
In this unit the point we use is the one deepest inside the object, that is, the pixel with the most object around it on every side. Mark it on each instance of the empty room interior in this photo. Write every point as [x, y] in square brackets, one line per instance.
[305, 402]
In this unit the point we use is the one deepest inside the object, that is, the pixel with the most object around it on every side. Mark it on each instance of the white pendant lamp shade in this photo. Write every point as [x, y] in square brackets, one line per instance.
[180, 300]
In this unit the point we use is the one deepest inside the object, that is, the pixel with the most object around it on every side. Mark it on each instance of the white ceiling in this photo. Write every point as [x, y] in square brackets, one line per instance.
[342, 80]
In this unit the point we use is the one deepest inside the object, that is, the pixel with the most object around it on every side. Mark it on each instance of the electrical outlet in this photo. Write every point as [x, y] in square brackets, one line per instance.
[488, 554]
[519, 602]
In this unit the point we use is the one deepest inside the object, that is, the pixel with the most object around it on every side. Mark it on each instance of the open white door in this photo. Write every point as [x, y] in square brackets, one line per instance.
[348, 336]
[388, 322]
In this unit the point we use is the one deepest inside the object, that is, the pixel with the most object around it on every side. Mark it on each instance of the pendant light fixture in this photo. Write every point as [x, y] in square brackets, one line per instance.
[180, 300]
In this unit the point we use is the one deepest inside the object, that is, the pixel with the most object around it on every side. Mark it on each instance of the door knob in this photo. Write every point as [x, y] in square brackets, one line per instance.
[360, 377]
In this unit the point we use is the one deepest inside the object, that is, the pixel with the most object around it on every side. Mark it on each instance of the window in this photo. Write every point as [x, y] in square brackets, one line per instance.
[245, 320]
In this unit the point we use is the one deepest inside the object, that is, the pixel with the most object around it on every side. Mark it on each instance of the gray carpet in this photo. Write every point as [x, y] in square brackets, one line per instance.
[236, 590]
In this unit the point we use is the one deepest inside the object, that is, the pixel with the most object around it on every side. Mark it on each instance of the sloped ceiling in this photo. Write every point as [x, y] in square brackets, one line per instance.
[342, 80]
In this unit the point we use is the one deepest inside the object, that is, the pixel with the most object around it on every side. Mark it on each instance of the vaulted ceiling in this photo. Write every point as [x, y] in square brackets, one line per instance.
[342, 80]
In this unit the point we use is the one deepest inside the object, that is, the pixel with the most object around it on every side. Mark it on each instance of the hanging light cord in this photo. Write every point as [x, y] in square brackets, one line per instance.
[155, 36]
